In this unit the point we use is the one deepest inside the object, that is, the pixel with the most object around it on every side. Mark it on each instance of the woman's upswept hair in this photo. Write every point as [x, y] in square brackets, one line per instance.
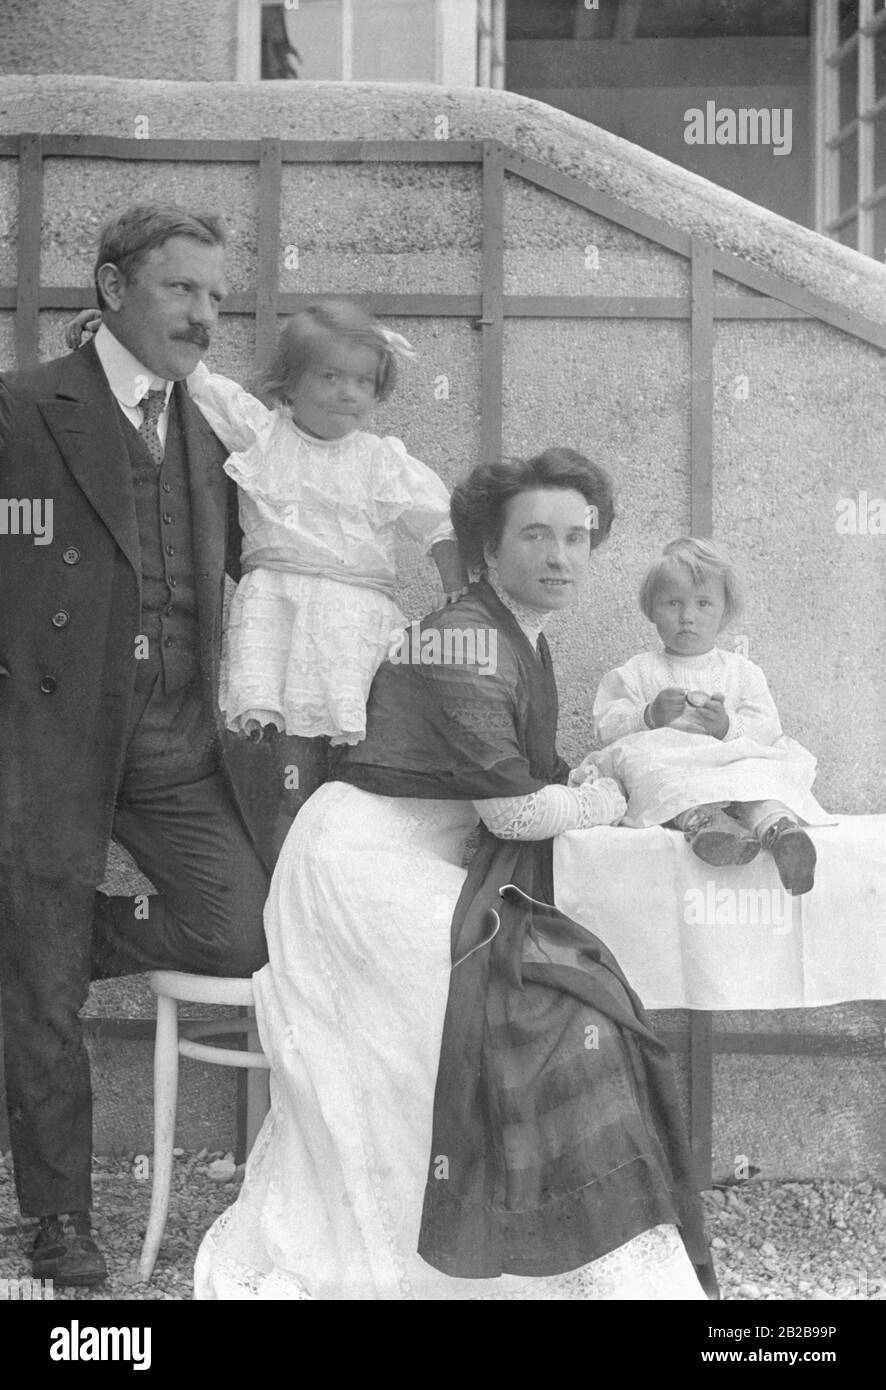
[478, 506]
[128, 238]
[701, 560]
[308, 331]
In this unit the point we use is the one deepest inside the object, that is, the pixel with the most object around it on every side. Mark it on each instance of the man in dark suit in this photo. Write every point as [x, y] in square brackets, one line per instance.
[110, 630]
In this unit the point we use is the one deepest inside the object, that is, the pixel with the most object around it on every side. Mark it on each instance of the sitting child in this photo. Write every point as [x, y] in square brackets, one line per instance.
[692, 731]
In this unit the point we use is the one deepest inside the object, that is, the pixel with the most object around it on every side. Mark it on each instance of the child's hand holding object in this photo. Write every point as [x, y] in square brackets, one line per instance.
[712, 714]
[667, 706]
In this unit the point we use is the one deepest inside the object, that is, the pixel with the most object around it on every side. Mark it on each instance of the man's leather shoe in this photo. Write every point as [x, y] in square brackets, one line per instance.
[718, 839]
[65, 1252]
[794, 855]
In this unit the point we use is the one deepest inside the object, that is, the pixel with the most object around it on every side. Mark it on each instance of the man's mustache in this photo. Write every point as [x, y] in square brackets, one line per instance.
[198, 336]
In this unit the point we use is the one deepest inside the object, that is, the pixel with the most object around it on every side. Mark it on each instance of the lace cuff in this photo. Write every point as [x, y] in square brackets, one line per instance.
[548, 812]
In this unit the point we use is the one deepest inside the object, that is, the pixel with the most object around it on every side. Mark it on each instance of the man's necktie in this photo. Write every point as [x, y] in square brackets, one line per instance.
[152, 407]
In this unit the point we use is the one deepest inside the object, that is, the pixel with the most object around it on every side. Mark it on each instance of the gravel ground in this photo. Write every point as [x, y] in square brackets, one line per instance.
[771, 1240]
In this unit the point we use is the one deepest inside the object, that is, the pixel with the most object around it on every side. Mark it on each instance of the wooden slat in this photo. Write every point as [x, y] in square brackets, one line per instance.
[596, 306]
[492, 286]
[383, 151]
[30, 222]
[574, 192]
[740, 306]
[181, 151]
[701, 1094]
[798, 1045]
[268, 267]
[701, 519]
[400, 305]
[848, 320]
[468, 306]
[83, 297]
[246, 151]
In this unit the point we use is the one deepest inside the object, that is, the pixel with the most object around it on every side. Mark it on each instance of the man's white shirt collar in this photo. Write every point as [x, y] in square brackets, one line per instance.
[129, 379]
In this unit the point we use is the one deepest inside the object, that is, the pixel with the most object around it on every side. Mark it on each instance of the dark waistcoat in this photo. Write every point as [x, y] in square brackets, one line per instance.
[169, 606]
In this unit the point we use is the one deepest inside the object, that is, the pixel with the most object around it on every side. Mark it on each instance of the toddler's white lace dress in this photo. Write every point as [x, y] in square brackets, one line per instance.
[669, 770]
[314, 615]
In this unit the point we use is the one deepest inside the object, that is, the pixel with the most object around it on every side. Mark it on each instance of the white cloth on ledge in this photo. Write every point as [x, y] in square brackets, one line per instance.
[689, 935]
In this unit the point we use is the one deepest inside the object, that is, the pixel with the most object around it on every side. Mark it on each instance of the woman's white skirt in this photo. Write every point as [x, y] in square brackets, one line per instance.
[350, 1012]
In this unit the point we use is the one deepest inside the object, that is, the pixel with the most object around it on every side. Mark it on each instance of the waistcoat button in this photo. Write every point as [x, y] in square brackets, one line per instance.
[48, 684]
[61, 618]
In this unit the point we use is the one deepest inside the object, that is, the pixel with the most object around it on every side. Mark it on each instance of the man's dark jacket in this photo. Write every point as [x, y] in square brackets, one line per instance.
[69, 614]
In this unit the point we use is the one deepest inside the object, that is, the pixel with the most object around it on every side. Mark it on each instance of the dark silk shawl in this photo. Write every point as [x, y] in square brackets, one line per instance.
[557, 1130]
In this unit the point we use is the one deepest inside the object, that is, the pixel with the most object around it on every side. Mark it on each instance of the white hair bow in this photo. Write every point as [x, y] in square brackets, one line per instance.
[397, 344]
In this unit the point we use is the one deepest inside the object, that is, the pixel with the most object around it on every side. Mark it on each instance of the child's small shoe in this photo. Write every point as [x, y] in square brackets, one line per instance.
[794, 855]
[718, 839]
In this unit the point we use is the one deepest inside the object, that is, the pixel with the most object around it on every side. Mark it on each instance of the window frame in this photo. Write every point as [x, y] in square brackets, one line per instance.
[831, 139]
[449, 16]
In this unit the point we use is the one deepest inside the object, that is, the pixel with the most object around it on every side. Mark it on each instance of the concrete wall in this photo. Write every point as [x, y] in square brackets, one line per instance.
[183, 40]
[641, 91]
[809, 432]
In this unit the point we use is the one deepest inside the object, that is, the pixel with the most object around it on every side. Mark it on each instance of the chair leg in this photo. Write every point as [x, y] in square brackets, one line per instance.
[258, 1094]
[165, 1103]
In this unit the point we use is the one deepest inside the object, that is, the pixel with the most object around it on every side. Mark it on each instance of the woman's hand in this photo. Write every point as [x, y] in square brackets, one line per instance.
[603, 802]
[85, 324]
[667, 706]
[586, 771]
[713, 716]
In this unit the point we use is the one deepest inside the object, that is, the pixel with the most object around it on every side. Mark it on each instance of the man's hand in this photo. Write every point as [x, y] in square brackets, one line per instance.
[713, 716]
[87, 322]
[667, 706]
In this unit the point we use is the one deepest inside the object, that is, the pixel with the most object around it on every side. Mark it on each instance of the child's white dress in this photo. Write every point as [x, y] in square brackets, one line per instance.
[666, 771]
[314, 614]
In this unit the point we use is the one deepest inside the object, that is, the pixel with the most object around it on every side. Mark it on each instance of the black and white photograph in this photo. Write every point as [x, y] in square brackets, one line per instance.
[442, 666]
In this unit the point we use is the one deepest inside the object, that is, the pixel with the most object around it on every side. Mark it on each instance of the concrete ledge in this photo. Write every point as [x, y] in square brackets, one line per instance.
[402, 111]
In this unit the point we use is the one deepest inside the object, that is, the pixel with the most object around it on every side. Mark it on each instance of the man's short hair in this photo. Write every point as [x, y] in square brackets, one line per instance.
[128, 238]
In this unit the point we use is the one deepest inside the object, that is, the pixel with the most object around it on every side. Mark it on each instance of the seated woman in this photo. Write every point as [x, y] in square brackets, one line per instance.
[466, 1095]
